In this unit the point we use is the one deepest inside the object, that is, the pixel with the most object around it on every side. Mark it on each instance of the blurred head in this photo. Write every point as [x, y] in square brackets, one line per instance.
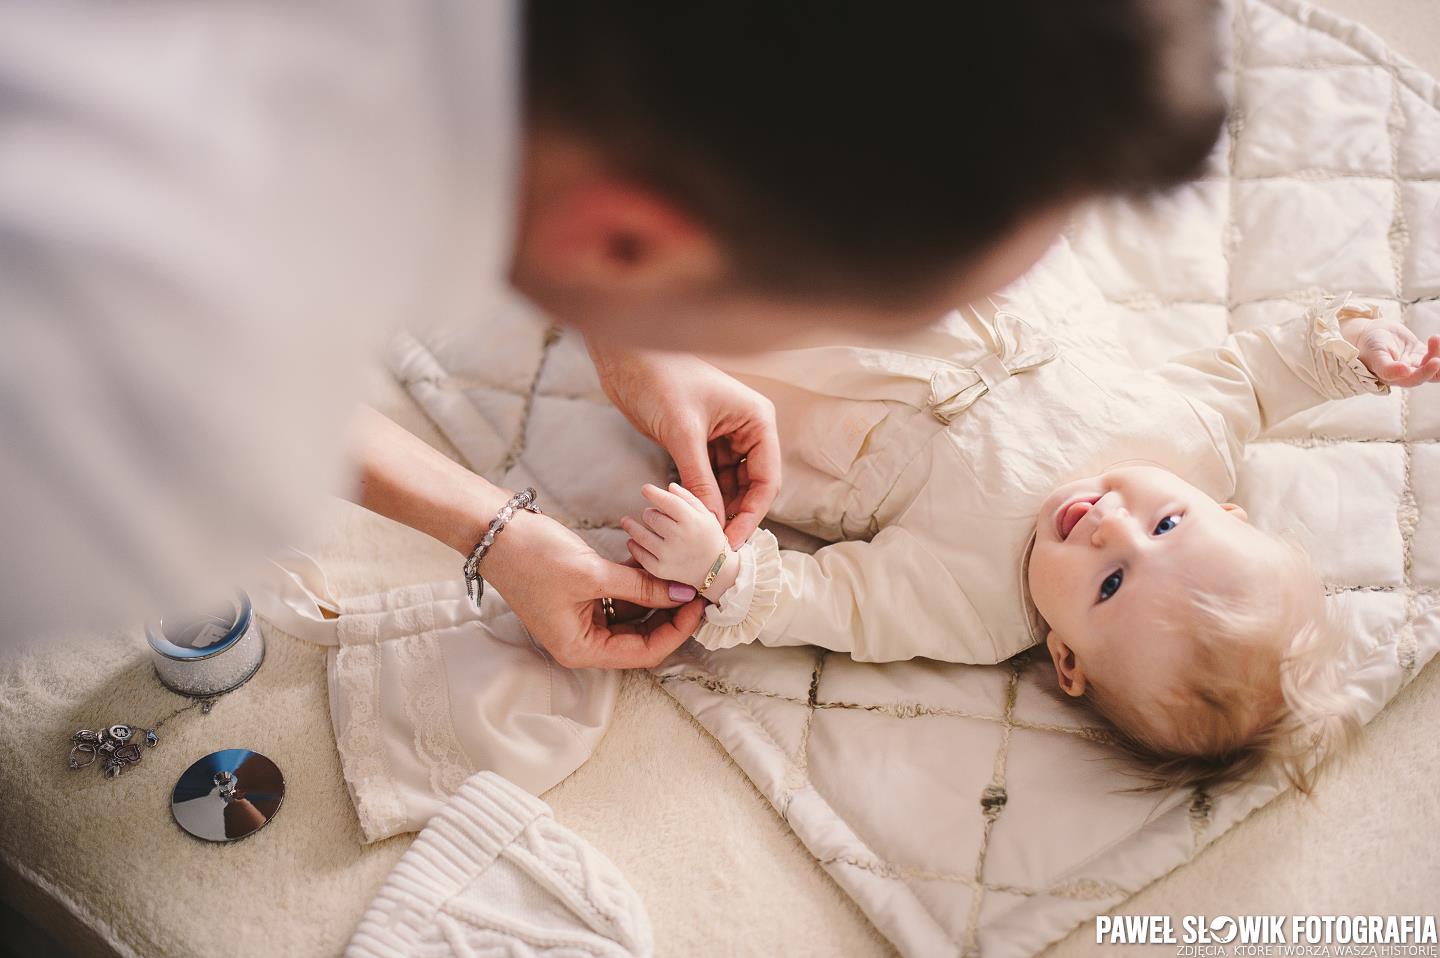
[1203, 641]
[729, 176]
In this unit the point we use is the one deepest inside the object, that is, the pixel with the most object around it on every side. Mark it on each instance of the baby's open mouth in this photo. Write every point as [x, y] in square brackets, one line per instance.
[1070, 514]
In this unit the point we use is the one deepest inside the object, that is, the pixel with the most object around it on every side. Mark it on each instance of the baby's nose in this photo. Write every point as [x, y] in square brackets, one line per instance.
[1114, 526]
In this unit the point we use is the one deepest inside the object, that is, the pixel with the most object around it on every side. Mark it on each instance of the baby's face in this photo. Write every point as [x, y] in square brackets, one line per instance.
[1117, 554]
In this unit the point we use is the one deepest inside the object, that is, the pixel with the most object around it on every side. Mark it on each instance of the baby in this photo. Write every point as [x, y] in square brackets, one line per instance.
[986, 490]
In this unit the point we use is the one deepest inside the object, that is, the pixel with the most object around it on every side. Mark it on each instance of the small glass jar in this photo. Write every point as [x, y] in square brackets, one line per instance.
[209, 653]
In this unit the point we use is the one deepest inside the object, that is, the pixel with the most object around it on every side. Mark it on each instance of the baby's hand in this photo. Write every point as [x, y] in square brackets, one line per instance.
[679, 540]
[1393, 353]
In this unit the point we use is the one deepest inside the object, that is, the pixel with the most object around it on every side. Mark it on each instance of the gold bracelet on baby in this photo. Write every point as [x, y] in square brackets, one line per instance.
[715, 568]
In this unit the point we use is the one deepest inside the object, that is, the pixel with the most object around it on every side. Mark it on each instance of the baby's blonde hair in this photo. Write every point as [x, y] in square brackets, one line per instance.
[1253, 700]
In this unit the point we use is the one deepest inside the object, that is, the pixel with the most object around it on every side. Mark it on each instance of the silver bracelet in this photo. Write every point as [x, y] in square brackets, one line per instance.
[474, 585]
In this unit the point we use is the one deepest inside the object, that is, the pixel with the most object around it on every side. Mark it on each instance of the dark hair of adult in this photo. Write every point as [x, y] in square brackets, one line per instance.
[868, 149]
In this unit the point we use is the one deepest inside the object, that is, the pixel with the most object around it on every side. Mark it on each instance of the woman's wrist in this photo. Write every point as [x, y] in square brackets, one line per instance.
[512, 550]
[470, 514]
[405, 479]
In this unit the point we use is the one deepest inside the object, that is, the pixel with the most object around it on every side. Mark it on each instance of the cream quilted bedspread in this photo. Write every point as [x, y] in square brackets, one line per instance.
[963, 809]
[954, 814]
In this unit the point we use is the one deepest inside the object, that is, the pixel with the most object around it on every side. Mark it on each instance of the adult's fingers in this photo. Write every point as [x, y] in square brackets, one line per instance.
[634, 585]
[646, 644]
[692, 460]
[729, 480]
[762, 469]
[726, 463]
[629, 611]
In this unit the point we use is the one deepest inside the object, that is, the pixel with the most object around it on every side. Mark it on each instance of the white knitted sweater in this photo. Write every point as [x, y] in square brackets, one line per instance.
[494, 873]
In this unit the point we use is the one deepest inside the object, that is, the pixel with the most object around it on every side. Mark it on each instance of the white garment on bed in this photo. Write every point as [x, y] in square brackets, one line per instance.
[425, 691]
[495, 874]
[211, 215]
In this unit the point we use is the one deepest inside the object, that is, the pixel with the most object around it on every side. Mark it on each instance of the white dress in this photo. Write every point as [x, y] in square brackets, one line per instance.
[426, 691]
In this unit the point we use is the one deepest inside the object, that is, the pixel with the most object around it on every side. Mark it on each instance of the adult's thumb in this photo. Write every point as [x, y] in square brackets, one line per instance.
[697, 476]
[629, 584]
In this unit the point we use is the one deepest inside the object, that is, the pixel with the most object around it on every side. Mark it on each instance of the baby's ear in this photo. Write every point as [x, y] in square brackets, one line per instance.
[1067, 671]
[1235, 511]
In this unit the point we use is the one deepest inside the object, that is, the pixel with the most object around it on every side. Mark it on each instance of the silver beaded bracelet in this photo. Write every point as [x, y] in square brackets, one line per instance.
[474, 585]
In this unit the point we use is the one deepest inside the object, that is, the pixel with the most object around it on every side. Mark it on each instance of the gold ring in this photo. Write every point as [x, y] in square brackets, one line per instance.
[607, 605]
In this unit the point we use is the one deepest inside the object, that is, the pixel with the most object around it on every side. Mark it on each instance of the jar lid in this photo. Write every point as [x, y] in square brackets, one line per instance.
[192, 636]
[227, 795]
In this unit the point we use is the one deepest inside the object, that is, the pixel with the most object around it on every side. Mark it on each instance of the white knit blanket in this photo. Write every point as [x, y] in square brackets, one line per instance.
[963, 809]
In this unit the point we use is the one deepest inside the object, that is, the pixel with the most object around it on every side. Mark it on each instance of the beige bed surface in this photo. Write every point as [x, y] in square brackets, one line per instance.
[719, 871]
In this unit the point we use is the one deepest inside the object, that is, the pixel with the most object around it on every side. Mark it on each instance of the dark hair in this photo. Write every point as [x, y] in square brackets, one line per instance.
[870, 148]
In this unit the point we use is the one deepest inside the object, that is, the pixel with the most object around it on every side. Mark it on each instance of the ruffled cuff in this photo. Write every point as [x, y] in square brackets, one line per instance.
[747, 605]
[735, 601]
[1339, 373]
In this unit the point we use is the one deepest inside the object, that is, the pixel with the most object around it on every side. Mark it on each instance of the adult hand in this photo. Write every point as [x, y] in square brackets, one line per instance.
[550, 577]
[720, 433]
[554, 582]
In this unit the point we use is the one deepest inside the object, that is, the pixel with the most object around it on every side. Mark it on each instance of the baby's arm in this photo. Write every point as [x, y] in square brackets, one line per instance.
[887, 599]
[1261, 376]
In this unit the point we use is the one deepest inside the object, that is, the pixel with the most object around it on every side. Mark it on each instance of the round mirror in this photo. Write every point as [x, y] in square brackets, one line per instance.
[227, 795]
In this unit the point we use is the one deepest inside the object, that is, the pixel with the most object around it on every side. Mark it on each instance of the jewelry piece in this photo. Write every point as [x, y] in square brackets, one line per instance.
[607, 605]
[225, 781]
[116, 743]
[474, 585]
[715, 569]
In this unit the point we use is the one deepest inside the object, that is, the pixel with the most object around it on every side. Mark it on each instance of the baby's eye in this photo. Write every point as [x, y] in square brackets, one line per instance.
[1111, 585]
[1168, 524]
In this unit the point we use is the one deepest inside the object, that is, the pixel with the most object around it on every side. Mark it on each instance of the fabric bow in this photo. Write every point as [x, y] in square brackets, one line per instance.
[1017, 348]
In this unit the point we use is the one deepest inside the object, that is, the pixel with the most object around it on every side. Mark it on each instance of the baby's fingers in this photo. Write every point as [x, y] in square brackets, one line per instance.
[1432, 360]
[689, 497]
[1392, 371]
[642, 536]
[1430, 372]
[1406, 376]
[659, 522]
[645, 557]
[667, 502]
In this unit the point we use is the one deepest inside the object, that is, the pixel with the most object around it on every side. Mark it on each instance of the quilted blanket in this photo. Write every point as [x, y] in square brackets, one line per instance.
[964, 809]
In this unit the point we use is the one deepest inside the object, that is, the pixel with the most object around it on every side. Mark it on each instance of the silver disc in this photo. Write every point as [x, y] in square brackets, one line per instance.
[227, 795]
